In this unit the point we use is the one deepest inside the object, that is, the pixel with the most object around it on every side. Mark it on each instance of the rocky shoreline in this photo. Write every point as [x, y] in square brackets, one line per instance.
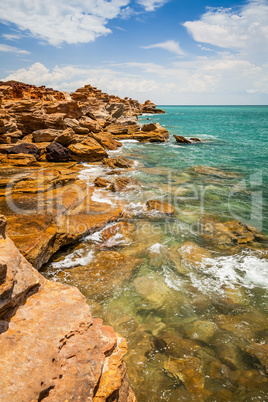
[46, 137]
[52, 347]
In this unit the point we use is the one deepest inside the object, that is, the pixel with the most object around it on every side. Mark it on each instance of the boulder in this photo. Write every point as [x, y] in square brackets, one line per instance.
[195, 139]
[181, 140]
[46, 135]
[192, 253]
[24, 148]
[101, 182]
[19, 160]
[106, 140]
[91, 124]
[87, 151]
[160, 206]
[124, 183]
[75, 126]
[120, 162]
[65, 138]
[57, 153]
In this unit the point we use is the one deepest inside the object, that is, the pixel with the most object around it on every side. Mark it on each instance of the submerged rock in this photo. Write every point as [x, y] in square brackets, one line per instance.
[189, 371]
[102, 182]
[192, 253]
[231, 233]
[211, 171]
[160, 206]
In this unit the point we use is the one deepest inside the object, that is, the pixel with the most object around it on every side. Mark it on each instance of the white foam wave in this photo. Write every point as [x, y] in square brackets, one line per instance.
[76, 258]
[97, 196]
[156, 248]
[245, 269]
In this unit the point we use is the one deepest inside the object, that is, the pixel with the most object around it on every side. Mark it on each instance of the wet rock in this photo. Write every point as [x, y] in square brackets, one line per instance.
[189, 371]
[120, 162]
[160, 206]
[24, 148]
[124, 183]
[195, 139]
[175, 346]
[57, 153]
[152, 132]
[120, 231]
[192, 253]
[200, 330]
[87, 151]
[181, 140]
[228, 350]
[231, 233]
[102, 182]
[259, 353]
[154, 291]
[104, 274]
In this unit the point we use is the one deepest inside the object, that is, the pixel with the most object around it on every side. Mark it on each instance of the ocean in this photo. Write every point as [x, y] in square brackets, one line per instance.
[194, 312]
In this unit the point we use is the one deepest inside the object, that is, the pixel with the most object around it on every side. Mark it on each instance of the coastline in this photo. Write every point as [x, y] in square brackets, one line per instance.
[69, 199]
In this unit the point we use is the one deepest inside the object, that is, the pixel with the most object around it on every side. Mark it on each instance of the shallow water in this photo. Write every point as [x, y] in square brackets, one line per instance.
[194, 313]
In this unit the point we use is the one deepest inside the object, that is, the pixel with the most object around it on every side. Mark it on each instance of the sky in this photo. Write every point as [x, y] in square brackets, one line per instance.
[195, 52]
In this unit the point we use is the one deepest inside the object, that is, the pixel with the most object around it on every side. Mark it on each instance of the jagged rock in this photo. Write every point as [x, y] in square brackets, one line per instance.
[150, 107]
[46, 135]
[74, 125]
[181, 140]
[106, 140]
[231, 233]
[29, 149]
[57, 153]
[123, 183]
[51, 327]
[87, 151]
[93, 125]
[101, 182]
[120, 162]
[151, 132]
[160, 206]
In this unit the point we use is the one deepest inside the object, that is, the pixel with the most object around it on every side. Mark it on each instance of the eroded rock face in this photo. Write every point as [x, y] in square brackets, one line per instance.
[51, 347]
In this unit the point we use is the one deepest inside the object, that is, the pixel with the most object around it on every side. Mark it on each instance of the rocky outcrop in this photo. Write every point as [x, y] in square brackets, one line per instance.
[51, 347]
[50, 207]
[39, 115]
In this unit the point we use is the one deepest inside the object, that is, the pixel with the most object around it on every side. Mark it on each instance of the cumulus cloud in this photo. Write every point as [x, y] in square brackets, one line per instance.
[244, 30]
[12, 49]
[69, 78]
[64, 20]
[170, 45]
[151, 5]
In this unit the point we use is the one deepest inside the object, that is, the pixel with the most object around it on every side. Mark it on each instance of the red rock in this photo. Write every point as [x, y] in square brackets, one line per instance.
[87, 151]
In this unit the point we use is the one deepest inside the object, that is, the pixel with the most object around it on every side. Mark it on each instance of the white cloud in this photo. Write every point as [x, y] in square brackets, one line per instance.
[244, 30]
[169, 45]
[69, 78]
[151, 5]
[62, 20]
[12, 36]
[12, 49]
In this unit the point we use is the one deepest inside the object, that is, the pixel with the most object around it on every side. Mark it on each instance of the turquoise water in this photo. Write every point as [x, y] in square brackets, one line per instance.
[194, 313]
[235, 138]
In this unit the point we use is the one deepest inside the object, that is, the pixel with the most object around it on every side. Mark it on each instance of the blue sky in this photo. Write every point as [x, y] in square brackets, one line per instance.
[169, 51]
